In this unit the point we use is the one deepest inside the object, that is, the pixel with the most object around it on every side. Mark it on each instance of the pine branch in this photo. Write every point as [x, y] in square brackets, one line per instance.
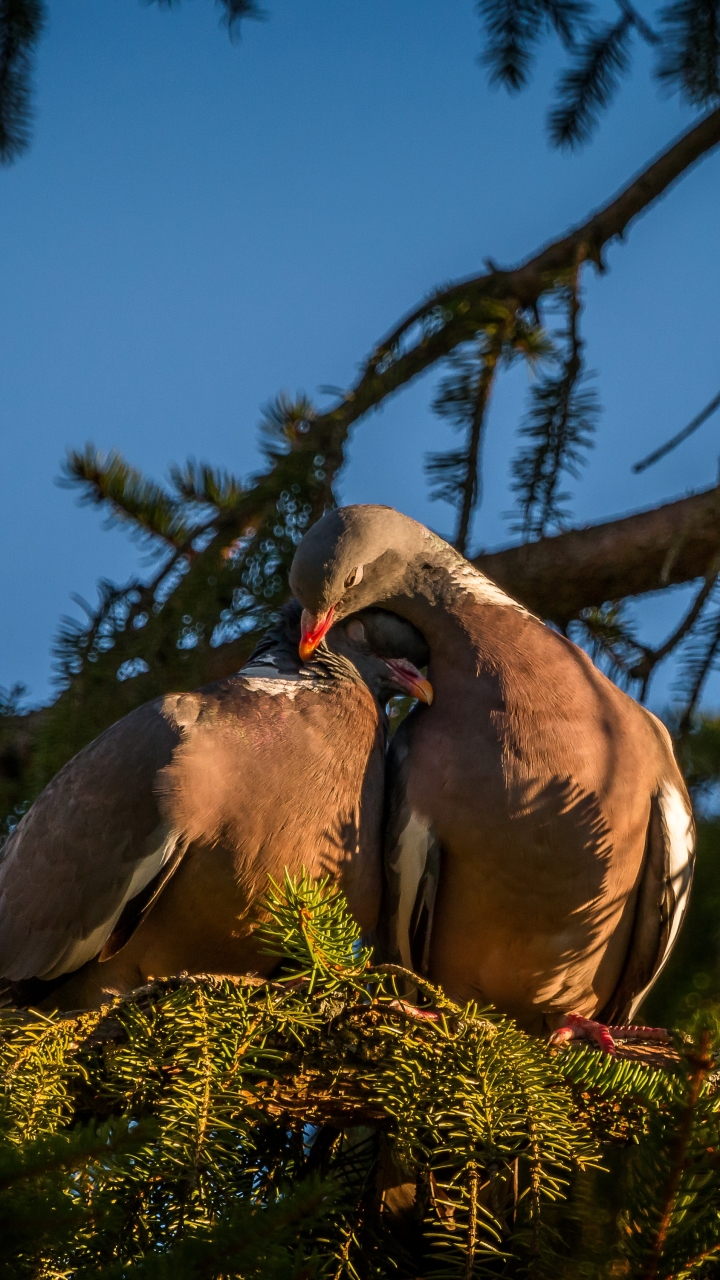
[451, 316]
[237, 10]
[515, 27]
[701, 1064]
[675, 440]
[651, 658]
[21, 25]
[206, 486]
[643, 28]
[587, 89]
[471, 487]
[152, 513]
[560, 426]
[557, 577]
[701, 659]
[611, 640]
[690, 57]
[234, 12]
[463, 397]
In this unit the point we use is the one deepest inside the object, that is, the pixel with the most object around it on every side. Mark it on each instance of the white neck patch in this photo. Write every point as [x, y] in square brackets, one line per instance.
[471, 580]
[484, 590]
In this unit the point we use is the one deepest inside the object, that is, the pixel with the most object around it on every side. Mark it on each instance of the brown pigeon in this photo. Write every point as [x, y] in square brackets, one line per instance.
[148, 853]
[543, 803]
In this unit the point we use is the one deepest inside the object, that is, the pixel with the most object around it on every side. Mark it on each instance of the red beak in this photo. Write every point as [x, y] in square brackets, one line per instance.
[410, 679]
[313, 627]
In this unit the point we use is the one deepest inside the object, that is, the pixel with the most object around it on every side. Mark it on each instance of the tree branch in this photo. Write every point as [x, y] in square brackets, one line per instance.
[557, 577]
[451, 315]
[471, 485]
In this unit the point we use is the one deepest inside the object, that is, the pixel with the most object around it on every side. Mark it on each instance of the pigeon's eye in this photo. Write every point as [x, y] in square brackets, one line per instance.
[354, 577]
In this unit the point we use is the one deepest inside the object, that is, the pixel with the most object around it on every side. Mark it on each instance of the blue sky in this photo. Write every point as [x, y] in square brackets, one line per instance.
[199, 224]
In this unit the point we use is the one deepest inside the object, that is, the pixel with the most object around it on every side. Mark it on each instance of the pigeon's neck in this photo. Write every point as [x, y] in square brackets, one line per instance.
[455, 607]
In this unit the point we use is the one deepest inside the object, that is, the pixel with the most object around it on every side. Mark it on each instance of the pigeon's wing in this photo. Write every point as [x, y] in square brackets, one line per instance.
[663, 895]
[92, 841]
[411, 866]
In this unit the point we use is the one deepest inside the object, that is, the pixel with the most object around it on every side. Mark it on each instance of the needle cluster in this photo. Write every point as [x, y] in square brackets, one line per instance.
[323, 1124]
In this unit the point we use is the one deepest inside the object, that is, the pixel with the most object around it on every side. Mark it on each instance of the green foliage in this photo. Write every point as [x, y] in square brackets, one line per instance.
[654, 1213]
[207, 1103]
[699, 754]
[319, 1125]
[220, 551]
[311, 930]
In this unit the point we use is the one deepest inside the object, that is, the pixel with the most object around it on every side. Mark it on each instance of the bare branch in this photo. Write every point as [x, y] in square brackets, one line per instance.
[452, 315]
[671, 444]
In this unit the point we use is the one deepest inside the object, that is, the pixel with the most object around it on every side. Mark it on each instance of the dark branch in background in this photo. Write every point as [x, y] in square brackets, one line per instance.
[613, 643]
[585, 568]
[559, 426]
[649, 35]
[234, 11]
[515, 27]
[463, 397]
[610, 639]
[644, 669]
[469, 487]
[671, 444]
[451, 316]
[21, 24]
[701, 659]
[587, 89]
[690, 59]
[688, 62]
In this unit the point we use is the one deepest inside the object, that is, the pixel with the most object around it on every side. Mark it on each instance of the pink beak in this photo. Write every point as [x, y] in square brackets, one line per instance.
[410, 679]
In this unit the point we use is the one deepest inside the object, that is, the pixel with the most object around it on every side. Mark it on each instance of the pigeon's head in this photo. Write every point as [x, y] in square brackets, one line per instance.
[387, 652]
[352, 558]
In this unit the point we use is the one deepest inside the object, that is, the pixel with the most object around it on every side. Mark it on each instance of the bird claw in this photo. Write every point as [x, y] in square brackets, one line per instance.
[578, 1028]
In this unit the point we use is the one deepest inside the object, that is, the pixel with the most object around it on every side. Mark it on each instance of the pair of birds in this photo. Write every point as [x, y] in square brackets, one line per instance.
[538, 834]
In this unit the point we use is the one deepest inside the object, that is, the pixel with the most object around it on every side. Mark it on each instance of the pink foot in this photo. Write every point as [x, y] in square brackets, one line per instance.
[579, 1028]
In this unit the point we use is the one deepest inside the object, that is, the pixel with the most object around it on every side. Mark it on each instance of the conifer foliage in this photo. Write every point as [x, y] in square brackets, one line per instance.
[685, 40]
[319, 1124]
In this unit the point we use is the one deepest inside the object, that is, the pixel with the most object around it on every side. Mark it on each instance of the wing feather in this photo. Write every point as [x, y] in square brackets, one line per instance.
[91, 841]
[663, 896]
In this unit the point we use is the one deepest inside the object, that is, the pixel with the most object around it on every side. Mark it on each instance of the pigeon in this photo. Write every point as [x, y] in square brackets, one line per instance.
[150, 851]
[539, 835]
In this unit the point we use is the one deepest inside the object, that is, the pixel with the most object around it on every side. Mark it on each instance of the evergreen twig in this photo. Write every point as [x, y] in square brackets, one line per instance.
[559, 426]
[21, 25]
